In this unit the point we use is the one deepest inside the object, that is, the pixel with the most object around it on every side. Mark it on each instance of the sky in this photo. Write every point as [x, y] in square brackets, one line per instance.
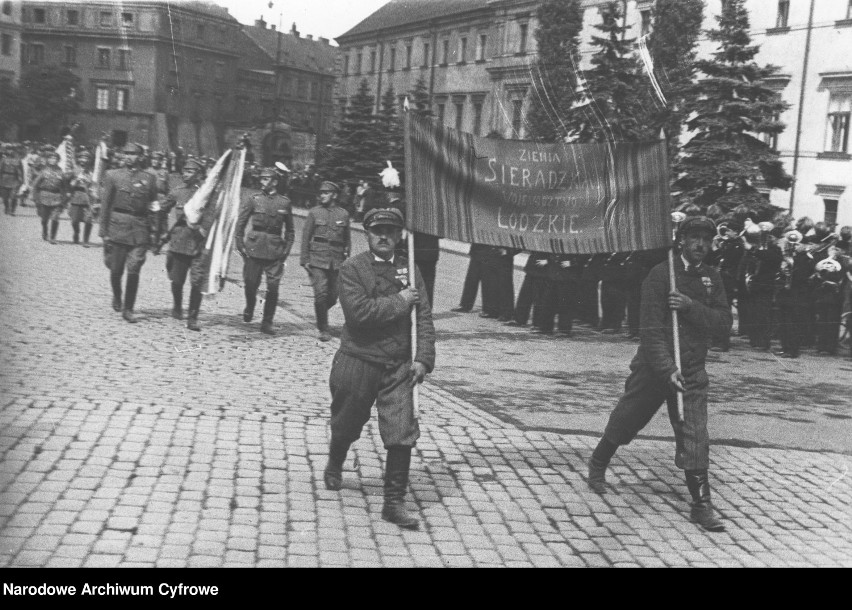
[326, 18]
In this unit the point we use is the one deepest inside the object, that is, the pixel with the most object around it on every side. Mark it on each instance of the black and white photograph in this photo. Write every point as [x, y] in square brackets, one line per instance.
[423, 284]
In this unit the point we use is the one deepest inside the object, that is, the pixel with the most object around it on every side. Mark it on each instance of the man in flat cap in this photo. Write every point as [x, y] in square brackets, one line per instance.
[699, 297]
[325, 245]
[128, 225]
[81, 198]
[263, 247]
[50, 193]
[374, 363]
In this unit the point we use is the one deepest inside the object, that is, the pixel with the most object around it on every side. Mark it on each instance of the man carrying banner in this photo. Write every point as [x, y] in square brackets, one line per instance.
[128, 224]
[325, 245]
[699, 297]
[263, 248]
[186, 248]
[374, 363]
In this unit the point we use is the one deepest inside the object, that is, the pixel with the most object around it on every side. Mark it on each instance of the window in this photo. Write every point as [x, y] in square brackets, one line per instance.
[445, 52]
[199, 67]
[127, 19]
[462, 50]
[6, 44]
[301, 89]
[104, 58]
[358, 60]
[199, 31]
[219, 70]
[72, 17]
[459, 115]
[839, 111]
[313, 91]
[37, 54]
[522, 43]
[38, 15]
[372, 61]
[771, 139]
[176, 27]
[645, 28]
[70, 55]
[122, 98]
[441, 110]
[102, 98]
[408, 49]
[517, 109]
[173, 65]
[477, 118]
[24, 51]
[426, 60]
[124, 59]
[345, 65]
[830, 211]
[7, 7]
[105, 19]
[392, 61]
[783, 14]
[849, 10]
[480, 47]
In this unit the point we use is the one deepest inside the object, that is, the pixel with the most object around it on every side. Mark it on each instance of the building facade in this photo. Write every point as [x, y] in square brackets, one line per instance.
[10, 41]
[475, 58]
[159, 74]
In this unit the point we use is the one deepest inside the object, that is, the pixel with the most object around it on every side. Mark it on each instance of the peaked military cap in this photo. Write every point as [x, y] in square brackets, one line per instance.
[329, 186]
[694, 224]
[268, 172]
[133, 149]
[383, 216]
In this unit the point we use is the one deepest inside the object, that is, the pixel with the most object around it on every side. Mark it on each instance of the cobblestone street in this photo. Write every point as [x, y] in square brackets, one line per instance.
[152, 446]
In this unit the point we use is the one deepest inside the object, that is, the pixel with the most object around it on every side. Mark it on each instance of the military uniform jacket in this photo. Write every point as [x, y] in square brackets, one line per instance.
[378, 320]
[326, 237]
[265, 216]
[80, 187]
[127, 195]
[709, 316]
[11, 173]
[50, 188]
[182, 238]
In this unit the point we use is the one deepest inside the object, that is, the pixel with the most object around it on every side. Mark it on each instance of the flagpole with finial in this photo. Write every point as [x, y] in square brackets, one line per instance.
[677, 219]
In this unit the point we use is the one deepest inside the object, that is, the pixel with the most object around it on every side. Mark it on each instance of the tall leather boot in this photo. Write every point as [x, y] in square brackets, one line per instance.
[194, 307]
[87, 232]
[702, 513]
[44, 230]
[177, 301]
[597, 465]
[54, 229]
[115, 282]
[13, 205]
[322, 321]
[75, 227]
[333, 474]
[396, 485]
[251, 300]
[269, 311]
[130, 297]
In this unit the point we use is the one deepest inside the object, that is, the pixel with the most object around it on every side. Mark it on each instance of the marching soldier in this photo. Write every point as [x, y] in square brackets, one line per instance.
[80, 208]
[326, 244]
[11, 179]
[795, 279]
[532, 290]
[263, 248]
[50, 193]
[761, 264]
[613, 292]
[374, 363]
[186, 248]
[699, 297]
[128, 228]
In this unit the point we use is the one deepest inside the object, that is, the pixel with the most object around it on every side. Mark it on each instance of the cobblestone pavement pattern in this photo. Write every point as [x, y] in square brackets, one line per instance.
[148, 445]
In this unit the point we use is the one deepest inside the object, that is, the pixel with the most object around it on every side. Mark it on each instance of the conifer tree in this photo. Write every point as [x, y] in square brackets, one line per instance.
[418, 98]
[555, 76]
[390, 128]
[725, 158]
[620, 108]
[672, 45]
[356, 150]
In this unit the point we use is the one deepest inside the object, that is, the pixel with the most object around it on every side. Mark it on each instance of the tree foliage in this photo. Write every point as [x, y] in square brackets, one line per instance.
[555, 73]
[390, 128]
[50, 95]
[725, 159]
[418, 98]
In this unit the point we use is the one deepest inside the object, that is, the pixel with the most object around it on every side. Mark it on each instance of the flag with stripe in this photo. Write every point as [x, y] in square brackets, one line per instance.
[559, 197]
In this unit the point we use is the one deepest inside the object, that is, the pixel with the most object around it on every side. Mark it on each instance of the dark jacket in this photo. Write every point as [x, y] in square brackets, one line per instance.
[326, 239]
[269, 214]
[378, 320]
[709, 316]
[127, 195]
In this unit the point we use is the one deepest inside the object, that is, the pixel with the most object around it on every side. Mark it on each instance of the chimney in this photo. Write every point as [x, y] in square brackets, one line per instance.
[260, 23]
[309, 36]
[323, 40]
[272, 27]
[294, 31]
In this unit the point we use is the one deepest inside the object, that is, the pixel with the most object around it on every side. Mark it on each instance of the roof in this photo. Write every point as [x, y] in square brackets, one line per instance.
[208, 8]
[402, 12]
[296, 51]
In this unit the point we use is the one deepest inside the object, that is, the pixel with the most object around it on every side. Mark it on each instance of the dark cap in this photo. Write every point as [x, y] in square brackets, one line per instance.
[267, 172]
[695, 224]
[383, 216]
[192, 165]
[133, 149]
[328, 186]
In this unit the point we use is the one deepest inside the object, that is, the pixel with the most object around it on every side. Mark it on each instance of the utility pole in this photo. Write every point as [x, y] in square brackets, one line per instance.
[276, 94]
[798, 144]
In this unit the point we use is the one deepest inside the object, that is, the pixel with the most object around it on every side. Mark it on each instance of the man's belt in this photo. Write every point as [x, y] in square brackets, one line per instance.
[267, 230]
[56, 192]
[323, 240]
[130, 212]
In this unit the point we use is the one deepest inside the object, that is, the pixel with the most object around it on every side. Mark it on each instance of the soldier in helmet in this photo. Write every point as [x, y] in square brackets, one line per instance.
[50, 193]
[263, 247]
[80, 202]
[186, 247]
[325, 245]
[128, 226]
[699, 297]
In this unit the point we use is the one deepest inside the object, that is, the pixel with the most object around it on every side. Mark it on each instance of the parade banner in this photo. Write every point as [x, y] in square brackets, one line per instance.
[562, 198]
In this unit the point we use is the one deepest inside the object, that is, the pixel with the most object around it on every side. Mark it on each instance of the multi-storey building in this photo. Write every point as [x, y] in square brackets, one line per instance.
[10, 42]
[161, 74]
[475, 58]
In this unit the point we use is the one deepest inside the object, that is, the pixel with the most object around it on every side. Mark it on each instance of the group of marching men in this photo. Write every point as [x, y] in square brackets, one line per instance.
[788, 280]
